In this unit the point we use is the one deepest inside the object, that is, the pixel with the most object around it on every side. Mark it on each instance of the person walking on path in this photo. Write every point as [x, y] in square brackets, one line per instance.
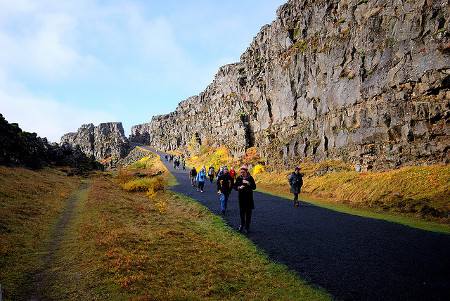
[233, 173]
[193, 176]
[224, 188]
[201, 178]
[245, 184]
[296, 182]
[211, 173]
[219, 172]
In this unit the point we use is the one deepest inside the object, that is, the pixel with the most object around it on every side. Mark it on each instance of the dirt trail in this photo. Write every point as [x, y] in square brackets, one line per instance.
[41, 279]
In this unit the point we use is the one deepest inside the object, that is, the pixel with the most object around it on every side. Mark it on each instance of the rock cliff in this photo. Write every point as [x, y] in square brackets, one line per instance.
[366, 82]
[19, 148]
[99, 142]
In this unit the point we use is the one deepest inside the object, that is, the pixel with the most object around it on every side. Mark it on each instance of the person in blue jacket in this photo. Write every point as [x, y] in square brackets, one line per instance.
[201, 178]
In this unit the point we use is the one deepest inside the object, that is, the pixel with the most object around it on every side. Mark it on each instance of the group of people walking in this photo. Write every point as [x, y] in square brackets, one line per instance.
[226, 183]
[177, 161]
[244, 184]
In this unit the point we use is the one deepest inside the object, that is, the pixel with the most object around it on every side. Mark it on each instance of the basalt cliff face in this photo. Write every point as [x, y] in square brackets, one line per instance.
[366, 82]
[99, 142]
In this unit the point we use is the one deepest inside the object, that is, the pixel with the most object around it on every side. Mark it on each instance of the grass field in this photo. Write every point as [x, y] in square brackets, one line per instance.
[129, 239]
[122, 245]
[31, 204]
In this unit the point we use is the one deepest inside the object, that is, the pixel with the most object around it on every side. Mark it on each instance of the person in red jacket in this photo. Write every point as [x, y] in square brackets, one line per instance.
[232, 173]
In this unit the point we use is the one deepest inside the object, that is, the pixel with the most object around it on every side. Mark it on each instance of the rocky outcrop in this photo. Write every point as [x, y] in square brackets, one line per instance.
[135, 155]
[99, 142]
[365, 82]
[19, 148]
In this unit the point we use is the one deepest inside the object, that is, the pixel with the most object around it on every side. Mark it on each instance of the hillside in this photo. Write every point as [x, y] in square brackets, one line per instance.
[20, 148]
[364, 82]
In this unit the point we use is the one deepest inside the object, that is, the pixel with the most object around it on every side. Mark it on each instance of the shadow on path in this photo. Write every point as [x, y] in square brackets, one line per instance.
[352, 257]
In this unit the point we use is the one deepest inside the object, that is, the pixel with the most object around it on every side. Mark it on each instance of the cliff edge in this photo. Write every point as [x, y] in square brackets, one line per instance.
[365, 82]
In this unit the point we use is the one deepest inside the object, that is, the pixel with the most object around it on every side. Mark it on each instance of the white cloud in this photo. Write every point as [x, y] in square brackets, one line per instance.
[42, 45]
[49, 51]
[59, 59]
[43, 115]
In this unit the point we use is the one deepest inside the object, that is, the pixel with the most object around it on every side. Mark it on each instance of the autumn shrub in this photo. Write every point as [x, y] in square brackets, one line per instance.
[159, 183]
[215, 157]
[123, 176]
[143, 163]
[251, 156]
[145, 184]
[259, 169]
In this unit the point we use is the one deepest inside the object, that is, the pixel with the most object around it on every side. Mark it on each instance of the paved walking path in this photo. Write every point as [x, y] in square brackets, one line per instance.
[352, 257]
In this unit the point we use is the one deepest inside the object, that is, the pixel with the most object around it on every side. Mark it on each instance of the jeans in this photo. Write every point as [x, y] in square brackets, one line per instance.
[223, 201]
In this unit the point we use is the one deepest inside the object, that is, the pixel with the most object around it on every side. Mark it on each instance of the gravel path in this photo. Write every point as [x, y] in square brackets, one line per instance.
[351, 257]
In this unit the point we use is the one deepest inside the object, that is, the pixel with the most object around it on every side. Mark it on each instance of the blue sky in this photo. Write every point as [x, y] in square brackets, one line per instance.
[67, 63]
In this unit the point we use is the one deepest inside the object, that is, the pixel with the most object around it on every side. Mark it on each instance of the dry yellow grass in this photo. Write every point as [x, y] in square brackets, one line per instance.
[31, 204]
[422, 190]
[130, 248]
[127, 246]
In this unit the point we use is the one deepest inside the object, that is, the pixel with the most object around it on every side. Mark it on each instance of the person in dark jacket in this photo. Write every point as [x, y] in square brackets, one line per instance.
[211, 173]
[245, 184]
[224, 188]
[193, 176]
[296, 182]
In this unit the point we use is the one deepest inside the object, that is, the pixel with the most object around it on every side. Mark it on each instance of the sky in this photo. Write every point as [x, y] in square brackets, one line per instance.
[68, 63]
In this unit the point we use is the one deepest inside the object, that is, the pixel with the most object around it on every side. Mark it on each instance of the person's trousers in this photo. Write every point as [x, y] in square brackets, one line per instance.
[201, 185]
[223, 201]
[246, 217]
